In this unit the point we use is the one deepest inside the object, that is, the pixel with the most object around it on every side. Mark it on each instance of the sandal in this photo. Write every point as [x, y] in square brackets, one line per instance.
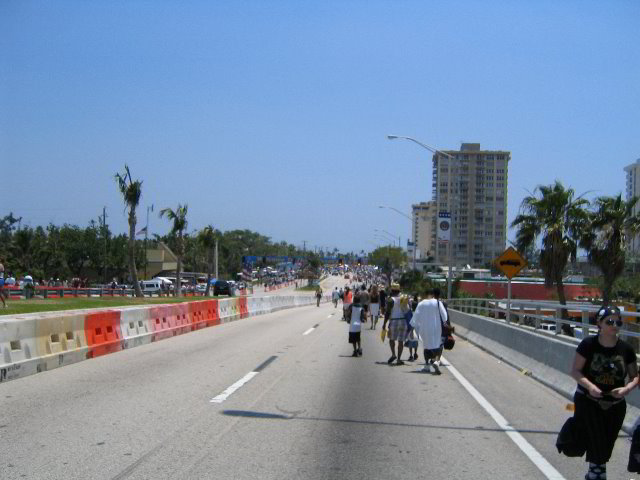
[392, 359]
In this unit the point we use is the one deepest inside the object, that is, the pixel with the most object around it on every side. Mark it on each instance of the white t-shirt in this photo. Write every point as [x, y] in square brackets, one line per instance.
[356, 324]
[426, 321]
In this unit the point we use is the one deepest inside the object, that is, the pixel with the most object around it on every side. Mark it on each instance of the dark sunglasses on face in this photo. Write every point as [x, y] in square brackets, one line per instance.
[613, 321]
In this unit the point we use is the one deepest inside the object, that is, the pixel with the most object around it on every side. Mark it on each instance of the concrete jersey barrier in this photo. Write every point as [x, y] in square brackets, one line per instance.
[541, 355]
[35, 343]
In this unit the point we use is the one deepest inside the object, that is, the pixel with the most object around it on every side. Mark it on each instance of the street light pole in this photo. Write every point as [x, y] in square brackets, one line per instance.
[411, 220]
[450, 243]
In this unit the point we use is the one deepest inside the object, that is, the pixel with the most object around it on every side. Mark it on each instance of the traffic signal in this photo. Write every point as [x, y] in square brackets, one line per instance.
[340, 262]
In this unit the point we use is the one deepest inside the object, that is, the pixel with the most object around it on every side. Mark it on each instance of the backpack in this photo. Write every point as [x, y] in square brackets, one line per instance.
[447, 329]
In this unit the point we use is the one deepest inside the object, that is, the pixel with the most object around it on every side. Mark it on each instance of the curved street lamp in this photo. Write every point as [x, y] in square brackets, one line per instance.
[411, 220]
[437, 152]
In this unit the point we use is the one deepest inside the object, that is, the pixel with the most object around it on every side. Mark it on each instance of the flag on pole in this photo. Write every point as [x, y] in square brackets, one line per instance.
[144, 230]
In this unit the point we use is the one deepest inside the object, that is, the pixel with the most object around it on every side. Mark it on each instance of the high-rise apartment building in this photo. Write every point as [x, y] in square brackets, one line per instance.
[633, 190]
[424, 234]
[471, 184]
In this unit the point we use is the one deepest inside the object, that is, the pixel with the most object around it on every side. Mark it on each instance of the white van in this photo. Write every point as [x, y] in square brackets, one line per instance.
[152, 286]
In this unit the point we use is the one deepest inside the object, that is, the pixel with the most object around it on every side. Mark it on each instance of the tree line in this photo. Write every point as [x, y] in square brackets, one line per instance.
[70, 251]
[562, 223]
[96, 254]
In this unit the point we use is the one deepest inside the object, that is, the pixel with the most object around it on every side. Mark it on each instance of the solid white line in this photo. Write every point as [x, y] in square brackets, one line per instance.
[224, 395]
[309, 331]
[539, 461]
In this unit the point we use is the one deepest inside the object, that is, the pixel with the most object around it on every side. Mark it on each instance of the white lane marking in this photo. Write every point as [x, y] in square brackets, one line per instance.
[331, 315]
[538, 460]
[309, 331]
[224, 395]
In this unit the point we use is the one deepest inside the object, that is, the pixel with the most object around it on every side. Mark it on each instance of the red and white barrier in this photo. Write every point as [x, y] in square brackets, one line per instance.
[38, 342]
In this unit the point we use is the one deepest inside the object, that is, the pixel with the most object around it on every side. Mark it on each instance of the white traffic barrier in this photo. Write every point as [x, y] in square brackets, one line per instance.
[135, 326]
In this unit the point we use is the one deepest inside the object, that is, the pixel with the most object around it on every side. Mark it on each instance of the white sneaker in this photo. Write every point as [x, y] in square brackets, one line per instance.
[426, 369]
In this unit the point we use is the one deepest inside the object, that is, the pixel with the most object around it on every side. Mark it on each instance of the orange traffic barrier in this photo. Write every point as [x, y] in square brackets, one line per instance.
[103, 334]
[169, 321]
[213, 315]
[198, 314]
[242, 307]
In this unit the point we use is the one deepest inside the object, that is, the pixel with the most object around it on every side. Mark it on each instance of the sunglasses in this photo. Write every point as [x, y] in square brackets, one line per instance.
[611, 322]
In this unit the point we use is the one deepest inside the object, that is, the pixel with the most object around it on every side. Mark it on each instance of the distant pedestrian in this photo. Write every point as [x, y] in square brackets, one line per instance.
[374, 306]
[383, 301]
[364, 298]
[427, 321]
[395, 316]
[335, 296]
[346, 302]
[606, 371]
[356, 317]
[318, 295]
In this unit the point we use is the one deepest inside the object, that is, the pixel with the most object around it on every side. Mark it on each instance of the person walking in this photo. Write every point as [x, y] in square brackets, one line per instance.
[383, 301]
[335, 296]
[318, 295]
[606, 372]
[346, 302]
[395, 316]
[364, 298]
[374, 306]
[412, 336]
[356, 316]
[427, 321]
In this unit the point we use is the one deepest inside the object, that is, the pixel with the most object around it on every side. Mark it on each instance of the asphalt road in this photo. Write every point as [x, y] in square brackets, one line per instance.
[307, 410]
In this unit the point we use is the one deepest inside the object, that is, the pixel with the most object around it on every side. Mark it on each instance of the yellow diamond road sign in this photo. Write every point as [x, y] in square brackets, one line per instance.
[510, 262]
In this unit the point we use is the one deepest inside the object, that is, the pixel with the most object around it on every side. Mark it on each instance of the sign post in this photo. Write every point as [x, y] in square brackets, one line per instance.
[510, 263]
[444, 236]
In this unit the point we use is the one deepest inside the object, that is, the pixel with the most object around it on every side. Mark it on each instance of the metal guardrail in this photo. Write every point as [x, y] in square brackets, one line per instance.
[61, 292]
[535, 314]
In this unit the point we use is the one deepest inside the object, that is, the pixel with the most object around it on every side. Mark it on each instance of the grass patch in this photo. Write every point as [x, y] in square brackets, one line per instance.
[51, 305]
[308, 288]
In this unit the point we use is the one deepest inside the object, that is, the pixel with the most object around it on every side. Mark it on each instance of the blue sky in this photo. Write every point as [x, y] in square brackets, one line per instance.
[273, 116]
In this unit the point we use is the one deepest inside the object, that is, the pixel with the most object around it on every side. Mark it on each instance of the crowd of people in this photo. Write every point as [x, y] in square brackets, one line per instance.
[406, 321]
[604, 367]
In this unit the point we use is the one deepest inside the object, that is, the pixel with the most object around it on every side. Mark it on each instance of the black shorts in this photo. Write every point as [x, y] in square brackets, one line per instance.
[432, 353]
[354, 337]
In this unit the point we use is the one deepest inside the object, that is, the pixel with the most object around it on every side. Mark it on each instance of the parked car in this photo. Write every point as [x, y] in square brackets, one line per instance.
[201, 287]
[222, 287]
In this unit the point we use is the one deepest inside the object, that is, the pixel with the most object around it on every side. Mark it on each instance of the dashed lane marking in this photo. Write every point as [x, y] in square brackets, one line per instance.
[229, 391]
[311, 329]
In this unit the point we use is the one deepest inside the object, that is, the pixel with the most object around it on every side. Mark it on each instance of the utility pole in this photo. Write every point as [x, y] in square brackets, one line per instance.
[146, 238]
[216, 259]
[104, 229]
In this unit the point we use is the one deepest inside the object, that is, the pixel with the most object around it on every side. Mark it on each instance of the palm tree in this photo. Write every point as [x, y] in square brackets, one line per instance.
[131, 192]
[559, 219]
[179, 219]
[207, 239]
[605, 237]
